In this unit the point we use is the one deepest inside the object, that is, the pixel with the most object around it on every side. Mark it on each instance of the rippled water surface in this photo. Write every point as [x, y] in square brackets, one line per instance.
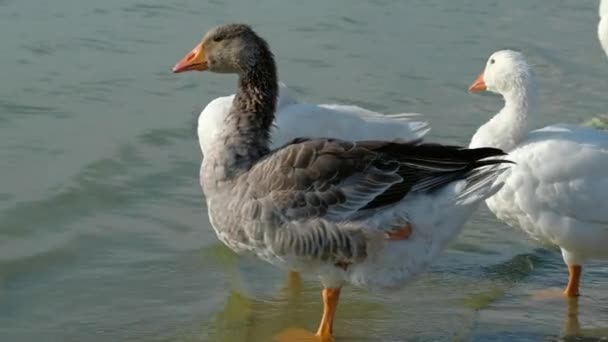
[103, 229]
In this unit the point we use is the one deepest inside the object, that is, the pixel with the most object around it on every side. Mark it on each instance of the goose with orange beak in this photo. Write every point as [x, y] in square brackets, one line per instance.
[557, 192]
[370, 213]
[195, 60]
[294, 119]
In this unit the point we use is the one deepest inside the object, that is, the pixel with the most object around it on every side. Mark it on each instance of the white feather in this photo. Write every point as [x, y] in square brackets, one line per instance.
[602, 27]
[295, 119]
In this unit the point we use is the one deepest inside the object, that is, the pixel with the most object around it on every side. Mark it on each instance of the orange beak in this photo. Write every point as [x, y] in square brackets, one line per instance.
[478, 85]
[195, 60]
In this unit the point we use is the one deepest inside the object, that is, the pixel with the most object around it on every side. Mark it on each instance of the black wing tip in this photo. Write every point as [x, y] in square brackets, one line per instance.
[420, 142]
[487, 162]
[458, 152]
[487, 150]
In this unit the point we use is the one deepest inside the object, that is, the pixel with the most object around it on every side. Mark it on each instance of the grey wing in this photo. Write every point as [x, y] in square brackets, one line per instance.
[312, 188]
[314, 179]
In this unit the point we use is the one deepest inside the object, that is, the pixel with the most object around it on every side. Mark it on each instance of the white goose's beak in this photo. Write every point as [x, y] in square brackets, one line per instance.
[478, 85]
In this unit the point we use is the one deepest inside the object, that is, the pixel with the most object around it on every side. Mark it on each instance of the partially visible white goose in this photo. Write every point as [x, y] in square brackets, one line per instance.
[602, 27]
[296, 119]
[558, 191]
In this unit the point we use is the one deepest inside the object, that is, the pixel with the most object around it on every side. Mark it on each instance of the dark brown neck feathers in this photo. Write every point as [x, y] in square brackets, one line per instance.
[253, 110]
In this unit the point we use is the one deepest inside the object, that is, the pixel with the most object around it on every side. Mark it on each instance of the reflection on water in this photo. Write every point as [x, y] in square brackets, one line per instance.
[573, 330]
[519, 315]
[488, 310]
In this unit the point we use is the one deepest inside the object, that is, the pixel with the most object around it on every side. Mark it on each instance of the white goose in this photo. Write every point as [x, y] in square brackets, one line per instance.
[371, 213]
[558, 191]
[602, 27]
[294, 119]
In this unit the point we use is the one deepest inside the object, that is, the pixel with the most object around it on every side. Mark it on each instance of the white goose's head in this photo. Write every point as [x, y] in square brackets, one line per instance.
[506, 72]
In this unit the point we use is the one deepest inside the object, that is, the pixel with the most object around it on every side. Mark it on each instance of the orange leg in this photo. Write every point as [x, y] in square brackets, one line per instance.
[330, 303]
[573, 281]
[400, 234]
[326, 327]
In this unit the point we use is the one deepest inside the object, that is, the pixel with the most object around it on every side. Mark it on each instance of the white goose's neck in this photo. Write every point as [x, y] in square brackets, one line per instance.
[509, 127]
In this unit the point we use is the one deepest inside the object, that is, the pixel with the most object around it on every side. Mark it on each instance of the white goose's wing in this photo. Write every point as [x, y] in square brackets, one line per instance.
[560, 184]
[574, 182]
[345, 122]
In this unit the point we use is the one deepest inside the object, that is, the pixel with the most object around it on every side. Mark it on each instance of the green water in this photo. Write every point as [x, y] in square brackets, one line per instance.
[103, 230]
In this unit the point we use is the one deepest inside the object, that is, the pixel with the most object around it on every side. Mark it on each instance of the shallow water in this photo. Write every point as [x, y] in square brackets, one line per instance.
[103, 230]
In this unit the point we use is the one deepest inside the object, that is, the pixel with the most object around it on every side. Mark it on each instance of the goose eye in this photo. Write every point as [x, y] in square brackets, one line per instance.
[217, 39]
[492, 61]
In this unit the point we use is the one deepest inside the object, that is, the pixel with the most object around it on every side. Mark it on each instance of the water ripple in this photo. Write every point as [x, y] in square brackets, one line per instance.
[99, 45]
[148, 10]
[520, 266]
[164, 137]
[11, 107]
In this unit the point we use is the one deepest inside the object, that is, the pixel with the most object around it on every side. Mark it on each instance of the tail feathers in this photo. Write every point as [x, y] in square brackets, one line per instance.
[482, 183]
[476, 170]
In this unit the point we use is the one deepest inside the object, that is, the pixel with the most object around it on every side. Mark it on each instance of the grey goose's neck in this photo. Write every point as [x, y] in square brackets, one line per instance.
[246, 136]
